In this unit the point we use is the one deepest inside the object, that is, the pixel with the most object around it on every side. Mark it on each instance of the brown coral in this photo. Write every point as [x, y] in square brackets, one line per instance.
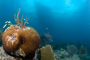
[47, 53]
[20, 40]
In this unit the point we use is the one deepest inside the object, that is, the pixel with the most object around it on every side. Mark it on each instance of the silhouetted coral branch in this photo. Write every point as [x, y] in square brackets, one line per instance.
[26, 21]
[17, 19]
[46, 39]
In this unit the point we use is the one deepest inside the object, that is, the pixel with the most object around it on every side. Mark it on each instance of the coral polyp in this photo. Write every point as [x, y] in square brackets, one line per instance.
[20, 40]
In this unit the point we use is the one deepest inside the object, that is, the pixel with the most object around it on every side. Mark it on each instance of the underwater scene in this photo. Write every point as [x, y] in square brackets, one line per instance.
[44, 29]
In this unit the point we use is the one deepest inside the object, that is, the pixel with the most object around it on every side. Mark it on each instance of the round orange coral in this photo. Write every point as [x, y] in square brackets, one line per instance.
[20, 41]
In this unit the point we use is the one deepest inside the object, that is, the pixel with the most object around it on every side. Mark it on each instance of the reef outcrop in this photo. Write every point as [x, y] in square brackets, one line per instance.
[20, 40]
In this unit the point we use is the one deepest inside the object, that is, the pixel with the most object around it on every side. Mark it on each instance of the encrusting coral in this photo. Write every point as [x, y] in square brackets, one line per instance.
[20, 40]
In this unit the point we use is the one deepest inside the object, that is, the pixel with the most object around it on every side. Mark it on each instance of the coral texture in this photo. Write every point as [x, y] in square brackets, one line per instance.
[20, 40]
[4, 56]
[64, 55]
[47, 53]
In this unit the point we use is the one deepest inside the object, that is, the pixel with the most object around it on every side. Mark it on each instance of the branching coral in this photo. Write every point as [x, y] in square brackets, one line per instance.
[17, 19]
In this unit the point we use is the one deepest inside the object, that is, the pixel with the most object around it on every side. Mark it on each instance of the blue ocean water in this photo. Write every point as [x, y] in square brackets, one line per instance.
[65, 20]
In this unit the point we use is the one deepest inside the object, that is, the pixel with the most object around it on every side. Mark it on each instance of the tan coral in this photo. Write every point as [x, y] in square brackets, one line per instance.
[47, 53]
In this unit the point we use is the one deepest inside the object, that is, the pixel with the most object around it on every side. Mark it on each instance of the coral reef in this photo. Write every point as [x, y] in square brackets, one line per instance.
[64, 55]
[47, 53]
[20, 40]
[71, 53]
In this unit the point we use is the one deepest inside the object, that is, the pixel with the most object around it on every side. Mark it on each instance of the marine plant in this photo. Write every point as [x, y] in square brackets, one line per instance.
[20, 40]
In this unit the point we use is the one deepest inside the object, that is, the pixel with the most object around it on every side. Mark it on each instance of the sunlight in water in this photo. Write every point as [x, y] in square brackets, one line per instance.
[67, 7]
[73, 5]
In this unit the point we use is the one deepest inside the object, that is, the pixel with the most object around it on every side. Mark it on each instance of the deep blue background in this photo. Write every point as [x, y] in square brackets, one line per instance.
[66, 20]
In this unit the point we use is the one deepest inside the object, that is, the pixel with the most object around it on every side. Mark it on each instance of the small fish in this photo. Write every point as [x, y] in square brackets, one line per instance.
[9, 21]
[27, 22]
[6, 21]
[4, 25]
